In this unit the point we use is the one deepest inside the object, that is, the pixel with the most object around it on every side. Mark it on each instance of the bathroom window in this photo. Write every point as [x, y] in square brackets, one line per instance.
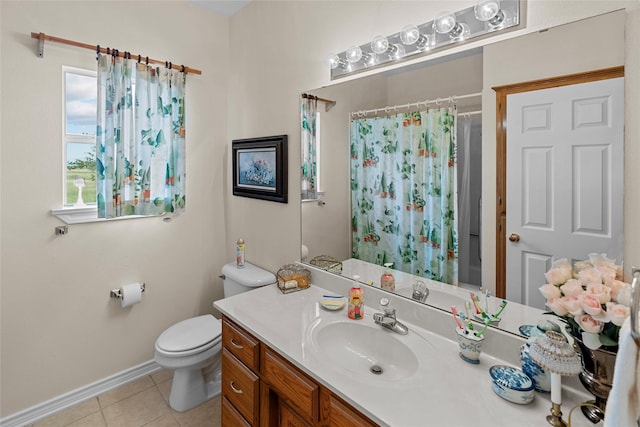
[79, 139]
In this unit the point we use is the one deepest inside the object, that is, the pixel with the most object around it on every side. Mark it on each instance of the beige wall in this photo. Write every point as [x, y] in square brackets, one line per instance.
[60, 330]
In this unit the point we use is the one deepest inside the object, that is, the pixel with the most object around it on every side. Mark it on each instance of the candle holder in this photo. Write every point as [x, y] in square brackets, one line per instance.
[553, 353]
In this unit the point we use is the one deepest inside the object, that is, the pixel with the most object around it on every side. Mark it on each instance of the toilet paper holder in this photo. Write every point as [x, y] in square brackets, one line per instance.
[117, 293]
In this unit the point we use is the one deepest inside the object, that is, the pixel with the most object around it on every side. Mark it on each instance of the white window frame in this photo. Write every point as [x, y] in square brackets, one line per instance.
[68, 213]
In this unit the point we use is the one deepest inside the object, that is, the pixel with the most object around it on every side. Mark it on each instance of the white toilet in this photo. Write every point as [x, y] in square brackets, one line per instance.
[192, 347]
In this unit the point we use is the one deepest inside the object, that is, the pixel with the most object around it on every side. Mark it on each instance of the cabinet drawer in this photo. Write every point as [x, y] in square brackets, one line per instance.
[290, 384]
[241, 344]
[231, 417]
[240, 386]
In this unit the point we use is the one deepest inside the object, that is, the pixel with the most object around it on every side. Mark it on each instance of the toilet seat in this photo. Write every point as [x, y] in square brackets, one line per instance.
[190, 336]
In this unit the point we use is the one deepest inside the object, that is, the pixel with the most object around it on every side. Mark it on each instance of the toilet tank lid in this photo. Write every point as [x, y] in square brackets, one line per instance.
[250, 275]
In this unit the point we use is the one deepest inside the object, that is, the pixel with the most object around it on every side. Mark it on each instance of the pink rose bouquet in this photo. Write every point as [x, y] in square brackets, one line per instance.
[590, 298]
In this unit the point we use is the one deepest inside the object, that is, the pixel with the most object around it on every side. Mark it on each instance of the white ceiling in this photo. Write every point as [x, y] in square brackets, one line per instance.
[222, 7]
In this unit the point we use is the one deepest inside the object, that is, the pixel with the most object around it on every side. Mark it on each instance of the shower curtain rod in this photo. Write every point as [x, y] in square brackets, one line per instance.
[329, 102]
[394, 108]
[96, 48]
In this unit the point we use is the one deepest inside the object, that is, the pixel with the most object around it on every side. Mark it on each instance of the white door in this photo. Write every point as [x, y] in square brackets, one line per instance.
[564, 180]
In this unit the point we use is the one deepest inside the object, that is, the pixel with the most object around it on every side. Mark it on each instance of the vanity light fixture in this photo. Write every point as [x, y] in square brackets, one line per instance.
[448, 29]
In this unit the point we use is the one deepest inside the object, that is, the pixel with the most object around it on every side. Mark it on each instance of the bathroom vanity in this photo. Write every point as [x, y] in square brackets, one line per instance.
[288, 361]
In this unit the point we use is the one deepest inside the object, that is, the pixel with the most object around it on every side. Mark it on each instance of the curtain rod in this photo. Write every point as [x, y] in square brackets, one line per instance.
[42, 37]
[329, 102]
[438, 101]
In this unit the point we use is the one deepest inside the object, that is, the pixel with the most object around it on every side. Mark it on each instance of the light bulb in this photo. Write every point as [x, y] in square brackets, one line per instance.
[410, 34]
[354, 54]
[380, 44]
[334, 61]
[444, 23]
[486, 9]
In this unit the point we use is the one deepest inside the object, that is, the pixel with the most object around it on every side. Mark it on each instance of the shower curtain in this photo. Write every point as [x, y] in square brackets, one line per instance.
[309, 169]
[404, 192]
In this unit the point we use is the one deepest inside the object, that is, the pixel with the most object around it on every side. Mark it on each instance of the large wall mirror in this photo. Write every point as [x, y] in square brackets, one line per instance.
[462, 79]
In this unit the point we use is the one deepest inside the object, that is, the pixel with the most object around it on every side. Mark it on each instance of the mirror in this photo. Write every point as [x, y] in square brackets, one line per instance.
[326, 224]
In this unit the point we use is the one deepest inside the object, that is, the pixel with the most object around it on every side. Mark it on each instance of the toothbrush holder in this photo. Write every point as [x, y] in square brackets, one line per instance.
[470, 345]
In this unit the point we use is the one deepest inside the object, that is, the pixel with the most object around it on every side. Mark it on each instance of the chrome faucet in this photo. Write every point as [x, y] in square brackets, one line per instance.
[387, 319]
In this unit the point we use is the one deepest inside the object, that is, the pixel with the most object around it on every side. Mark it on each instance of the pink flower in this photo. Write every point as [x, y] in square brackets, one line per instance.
[589, 324]
[607, 273]
[616, 286]
[617, 313]
[556, 305]
[572, 288]
[581, 265]
[591, 305]
[600, 291]
[550, 291]
[573, 305]
[559, 275]
[590, 275]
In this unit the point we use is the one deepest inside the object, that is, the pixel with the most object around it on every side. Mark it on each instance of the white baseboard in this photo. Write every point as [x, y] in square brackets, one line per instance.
[44, 409]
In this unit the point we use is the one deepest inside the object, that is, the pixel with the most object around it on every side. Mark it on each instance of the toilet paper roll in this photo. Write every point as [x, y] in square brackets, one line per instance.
[131, 294]
[304, 252]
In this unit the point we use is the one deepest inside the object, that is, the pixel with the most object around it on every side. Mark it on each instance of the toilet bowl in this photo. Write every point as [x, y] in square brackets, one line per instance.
[192, 347]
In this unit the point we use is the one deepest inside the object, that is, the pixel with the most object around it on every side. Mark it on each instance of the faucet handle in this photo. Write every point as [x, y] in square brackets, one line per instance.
[384, 305]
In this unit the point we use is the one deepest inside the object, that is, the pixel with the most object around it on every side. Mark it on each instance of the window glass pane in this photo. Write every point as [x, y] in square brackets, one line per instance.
[80, 173]
[80, 104]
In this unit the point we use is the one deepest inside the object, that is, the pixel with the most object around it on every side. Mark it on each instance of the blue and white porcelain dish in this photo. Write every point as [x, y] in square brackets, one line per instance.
[512, 384]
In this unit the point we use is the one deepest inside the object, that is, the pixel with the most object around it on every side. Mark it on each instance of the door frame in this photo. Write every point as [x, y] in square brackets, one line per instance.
[501, 152]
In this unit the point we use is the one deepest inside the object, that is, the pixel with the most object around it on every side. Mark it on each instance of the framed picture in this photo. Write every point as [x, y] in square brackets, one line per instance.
[260, 168]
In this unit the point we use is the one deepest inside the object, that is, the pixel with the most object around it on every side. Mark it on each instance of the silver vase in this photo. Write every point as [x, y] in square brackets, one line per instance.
[597, 378]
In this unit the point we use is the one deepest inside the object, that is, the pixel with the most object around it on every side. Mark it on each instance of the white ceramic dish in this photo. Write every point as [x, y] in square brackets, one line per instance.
[512, 384]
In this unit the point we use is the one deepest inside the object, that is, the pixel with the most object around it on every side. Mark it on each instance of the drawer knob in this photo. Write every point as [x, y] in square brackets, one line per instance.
[238, 346]
[235, 390]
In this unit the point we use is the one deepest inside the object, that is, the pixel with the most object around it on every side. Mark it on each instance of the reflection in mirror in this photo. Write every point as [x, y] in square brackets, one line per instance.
[327, 229]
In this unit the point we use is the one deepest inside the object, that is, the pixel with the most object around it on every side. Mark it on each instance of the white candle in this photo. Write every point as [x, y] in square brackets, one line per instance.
[556, 388]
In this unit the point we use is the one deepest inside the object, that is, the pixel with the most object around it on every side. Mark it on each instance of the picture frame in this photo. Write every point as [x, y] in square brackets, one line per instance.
[260, 169]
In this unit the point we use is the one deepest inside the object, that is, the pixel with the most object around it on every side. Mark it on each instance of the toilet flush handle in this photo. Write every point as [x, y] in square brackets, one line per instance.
[222, 276]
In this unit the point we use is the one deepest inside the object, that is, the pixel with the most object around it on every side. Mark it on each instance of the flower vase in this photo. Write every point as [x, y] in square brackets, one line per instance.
[597, 378]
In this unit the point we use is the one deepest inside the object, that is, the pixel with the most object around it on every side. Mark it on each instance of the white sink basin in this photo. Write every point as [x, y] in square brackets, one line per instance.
[364, 349]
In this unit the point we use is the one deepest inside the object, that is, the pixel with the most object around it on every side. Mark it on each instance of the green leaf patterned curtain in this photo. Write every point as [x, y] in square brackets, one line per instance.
[309, 170]
[140, 142]
[403, 192]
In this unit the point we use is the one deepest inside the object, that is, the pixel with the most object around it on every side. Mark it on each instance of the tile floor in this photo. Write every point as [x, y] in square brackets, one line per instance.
[143, 402]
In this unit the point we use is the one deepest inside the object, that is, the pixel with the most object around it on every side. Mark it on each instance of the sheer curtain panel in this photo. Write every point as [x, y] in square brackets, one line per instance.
[140, 142]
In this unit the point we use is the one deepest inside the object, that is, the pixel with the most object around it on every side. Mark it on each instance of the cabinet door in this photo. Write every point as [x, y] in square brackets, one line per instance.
[231, 417]
[295, 387]
[336, 413]
[288, 418]
[240, 386]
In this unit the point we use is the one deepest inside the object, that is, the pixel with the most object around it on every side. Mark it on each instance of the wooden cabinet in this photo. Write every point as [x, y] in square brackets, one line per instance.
[261, 388]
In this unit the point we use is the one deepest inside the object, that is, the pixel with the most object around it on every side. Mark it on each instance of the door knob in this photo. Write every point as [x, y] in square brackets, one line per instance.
[514, 237]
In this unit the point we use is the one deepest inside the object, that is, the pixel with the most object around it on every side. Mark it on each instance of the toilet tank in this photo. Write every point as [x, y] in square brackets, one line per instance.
[238, 280]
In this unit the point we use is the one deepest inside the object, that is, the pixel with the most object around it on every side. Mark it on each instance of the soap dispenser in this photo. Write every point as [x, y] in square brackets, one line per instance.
[387, 281]
[356, 302]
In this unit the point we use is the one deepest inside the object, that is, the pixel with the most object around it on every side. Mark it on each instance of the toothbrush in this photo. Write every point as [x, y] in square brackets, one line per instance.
[502, 306]
[467, 321]
[467, 309]
[454, 311]
[479, 310]
[486, 325]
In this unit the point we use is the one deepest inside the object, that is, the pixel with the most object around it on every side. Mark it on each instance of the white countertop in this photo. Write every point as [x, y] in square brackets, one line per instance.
[444, 391]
